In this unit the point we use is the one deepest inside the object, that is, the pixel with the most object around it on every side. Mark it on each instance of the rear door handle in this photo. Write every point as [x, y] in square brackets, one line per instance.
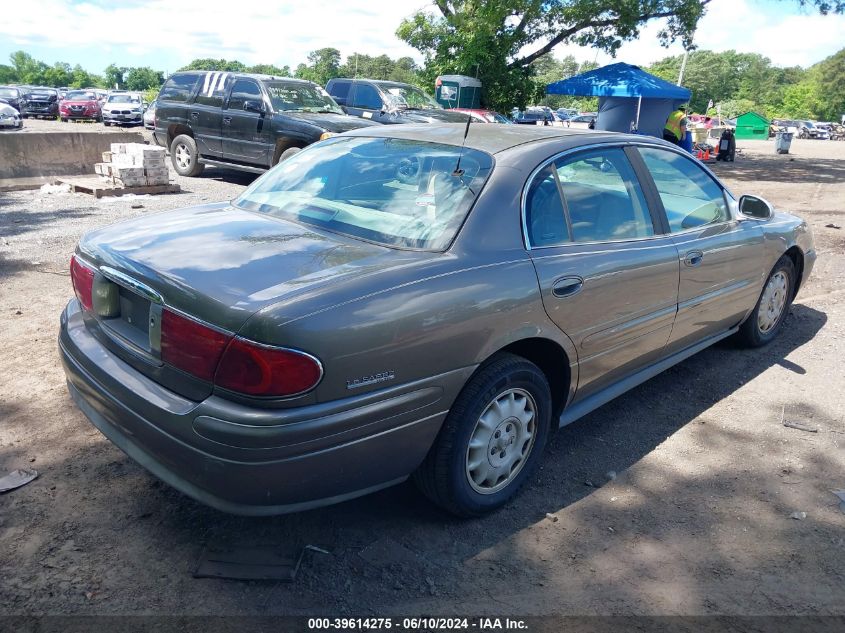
[567, 286]
[693, 258]
[195, 115]
[227, 120]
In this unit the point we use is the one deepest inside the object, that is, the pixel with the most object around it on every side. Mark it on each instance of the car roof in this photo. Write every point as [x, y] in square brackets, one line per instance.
[489, 138]
[378, 82]
[256, 76]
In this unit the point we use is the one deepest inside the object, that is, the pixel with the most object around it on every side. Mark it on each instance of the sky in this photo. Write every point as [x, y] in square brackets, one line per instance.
[167, 34]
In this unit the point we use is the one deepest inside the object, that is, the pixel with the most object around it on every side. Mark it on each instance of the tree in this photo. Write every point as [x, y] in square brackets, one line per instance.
[80, 78]
[323, 64]
[59, 74]
[27, 69]
[270, 69]
[144, 78]
[8, 74]
[233, 66]
[114, 76]
[828, 81]
[501, 38]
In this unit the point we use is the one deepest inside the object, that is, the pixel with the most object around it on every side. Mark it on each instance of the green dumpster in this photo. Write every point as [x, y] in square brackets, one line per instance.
[752, 126]
[457, 91]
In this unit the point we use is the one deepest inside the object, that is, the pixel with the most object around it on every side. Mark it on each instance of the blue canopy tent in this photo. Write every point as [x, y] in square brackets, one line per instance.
[627, 94]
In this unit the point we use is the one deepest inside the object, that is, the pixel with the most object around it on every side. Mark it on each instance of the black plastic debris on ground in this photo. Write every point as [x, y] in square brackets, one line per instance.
[250, 563]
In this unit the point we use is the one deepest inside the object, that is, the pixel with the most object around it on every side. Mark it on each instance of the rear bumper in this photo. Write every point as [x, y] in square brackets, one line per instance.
[123, 118]
[254, 461]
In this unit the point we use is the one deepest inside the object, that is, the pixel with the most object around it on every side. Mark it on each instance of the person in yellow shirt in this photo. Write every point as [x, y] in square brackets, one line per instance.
[675, 129]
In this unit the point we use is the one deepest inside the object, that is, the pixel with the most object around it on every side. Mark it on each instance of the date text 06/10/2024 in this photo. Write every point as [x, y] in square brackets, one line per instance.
[481, 624]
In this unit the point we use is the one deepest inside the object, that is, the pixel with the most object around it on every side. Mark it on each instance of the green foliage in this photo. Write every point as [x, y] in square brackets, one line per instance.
[144, 78]
[233, 66]
[827, 79]
[323, 64]
[114, 76]
[502, 38]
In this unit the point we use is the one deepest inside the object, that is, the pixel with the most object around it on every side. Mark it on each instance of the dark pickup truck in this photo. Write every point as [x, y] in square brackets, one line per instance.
[242, 121]
[389, 102]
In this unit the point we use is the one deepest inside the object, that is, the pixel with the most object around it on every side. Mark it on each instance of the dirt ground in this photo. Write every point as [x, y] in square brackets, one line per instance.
[696, 521]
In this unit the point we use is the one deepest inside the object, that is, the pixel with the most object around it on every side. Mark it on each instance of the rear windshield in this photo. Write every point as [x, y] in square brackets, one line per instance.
[290, 96]
[398, 193]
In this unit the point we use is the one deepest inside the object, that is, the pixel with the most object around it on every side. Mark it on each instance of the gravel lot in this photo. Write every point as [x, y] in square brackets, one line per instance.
[696, 520]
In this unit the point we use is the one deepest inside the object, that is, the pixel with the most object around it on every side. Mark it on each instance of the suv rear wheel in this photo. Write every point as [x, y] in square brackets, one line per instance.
[185, 157]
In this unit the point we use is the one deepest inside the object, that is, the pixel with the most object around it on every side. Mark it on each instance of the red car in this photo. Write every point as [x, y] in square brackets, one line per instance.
[80, 104]
[483, 116]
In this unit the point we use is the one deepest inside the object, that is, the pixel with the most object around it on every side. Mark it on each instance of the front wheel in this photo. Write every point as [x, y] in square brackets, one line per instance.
[492, 439]
[766, 320]
[185, 157]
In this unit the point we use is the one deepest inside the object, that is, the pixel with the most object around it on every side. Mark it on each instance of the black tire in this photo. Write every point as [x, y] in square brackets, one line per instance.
[290, 151]
[444, 476]
[759, 329]
[185, 157]
[64, 119]
[106, 123]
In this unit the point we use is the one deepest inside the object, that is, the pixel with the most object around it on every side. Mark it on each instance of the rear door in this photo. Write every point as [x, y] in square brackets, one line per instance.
[206, 114]
[608, 277]
[721, 258]
[247, 136]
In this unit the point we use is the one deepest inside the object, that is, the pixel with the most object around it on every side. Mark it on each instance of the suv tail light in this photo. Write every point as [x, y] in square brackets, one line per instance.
[82, 278]
[261, 370]
[233, 363]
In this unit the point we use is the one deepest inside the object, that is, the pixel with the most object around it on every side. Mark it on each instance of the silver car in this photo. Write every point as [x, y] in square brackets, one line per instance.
[405, 301]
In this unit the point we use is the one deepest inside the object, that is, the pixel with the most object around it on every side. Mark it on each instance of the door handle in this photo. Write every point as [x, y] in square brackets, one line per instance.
[567, 286]
[227, 120]
[693, 258]
[195, 115]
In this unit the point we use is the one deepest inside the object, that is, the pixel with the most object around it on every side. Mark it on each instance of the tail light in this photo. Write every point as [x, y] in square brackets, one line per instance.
[191, 346]
[260, 370]
[82, 278]
[235, 364]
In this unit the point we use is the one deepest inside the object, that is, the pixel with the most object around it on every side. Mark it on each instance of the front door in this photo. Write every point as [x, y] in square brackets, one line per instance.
[609, 279]
[721, 258]
[247, 135]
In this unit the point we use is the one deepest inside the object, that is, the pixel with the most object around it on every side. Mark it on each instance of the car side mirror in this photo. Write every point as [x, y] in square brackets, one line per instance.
[254, 106]
[755, 207]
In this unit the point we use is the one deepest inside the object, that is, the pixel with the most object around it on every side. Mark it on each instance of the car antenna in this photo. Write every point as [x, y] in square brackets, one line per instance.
[458, 171]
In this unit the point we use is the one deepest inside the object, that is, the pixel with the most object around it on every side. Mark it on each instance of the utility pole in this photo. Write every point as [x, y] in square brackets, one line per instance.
[683, 68]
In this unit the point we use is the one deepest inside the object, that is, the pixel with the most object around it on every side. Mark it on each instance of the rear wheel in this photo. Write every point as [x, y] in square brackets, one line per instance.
[492, 440]
[185, 157]
[766, 320]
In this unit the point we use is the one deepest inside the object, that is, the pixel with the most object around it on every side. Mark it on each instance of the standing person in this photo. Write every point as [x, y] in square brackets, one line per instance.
[675, 129]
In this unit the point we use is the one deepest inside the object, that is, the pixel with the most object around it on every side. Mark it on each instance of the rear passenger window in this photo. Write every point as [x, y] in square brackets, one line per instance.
[340, 91]
[690, 197]
[212, 89]
[544, 216]
[178, 87]
[244, 90]
[603, 198]
[367, 97]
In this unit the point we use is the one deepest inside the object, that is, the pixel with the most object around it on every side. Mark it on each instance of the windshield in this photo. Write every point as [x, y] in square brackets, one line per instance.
[409, 97]
[9, 93]
[44, 92]
[289, 96]
[395, 192]
[80, 95]
[498, 118]
[124, 99]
